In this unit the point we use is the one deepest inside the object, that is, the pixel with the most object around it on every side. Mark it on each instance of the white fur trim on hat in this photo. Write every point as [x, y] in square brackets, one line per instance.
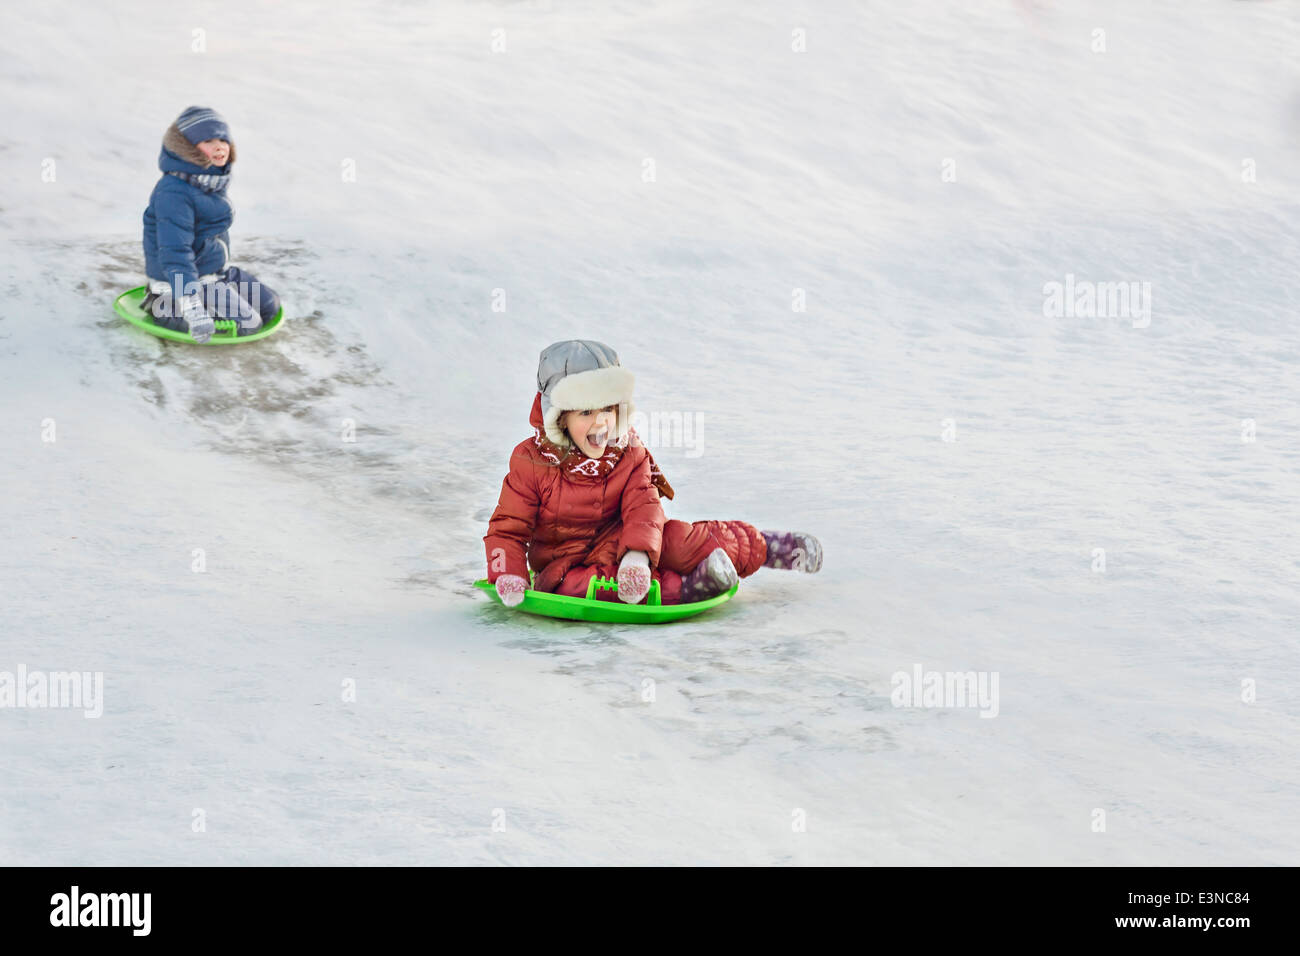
[593, 389]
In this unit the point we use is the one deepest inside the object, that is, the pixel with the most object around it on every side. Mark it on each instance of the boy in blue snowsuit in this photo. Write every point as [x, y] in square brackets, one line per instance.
[187, 238]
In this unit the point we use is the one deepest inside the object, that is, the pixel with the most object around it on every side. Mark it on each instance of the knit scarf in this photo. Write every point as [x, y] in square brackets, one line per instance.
[576, 463]
[208, 182]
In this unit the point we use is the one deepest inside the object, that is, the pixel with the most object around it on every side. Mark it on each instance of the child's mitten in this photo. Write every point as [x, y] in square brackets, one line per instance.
[634, 577]
[196, 318]
[510, 588]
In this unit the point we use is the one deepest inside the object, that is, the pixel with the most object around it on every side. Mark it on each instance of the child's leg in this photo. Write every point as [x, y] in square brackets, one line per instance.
[169, 313]
[575, 581]
[225, 300]
[685, 545]
[261, 297]
[161, 309]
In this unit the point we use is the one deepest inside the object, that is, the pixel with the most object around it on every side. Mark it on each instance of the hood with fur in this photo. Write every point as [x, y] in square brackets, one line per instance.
[174, 142]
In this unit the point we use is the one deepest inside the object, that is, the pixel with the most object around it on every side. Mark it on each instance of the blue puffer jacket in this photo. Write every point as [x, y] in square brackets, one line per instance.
[186, 229]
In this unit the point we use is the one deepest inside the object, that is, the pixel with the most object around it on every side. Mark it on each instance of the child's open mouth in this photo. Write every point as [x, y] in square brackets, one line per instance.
[596, 439]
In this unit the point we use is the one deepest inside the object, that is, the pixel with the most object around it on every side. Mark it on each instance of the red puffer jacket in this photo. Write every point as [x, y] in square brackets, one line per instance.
[551, 519]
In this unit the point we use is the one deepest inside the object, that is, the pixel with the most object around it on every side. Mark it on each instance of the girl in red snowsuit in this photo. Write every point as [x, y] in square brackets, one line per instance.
[582, 500]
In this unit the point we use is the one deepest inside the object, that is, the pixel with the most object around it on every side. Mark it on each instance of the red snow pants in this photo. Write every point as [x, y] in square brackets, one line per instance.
[685, 544]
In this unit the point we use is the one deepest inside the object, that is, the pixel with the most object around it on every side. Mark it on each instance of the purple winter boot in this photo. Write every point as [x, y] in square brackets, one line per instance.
[793, 550]
[711, 577]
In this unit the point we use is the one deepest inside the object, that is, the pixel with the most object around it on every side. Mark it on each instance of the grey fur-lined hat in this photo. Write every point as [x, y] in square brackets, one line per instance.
[579, 374]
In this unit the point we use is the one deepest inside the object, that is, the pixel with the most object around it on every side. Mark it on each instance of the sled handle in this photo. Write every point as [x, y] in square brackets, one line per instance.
[598, 583]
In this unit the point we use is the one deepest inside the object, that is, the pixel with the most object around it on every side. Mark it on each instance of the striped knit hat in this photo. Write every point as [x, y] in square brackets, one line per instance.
[198, 123]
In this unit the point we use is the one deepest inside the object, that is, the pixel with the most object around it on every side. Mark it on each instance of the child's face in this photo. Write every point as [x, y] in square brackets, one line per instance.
[591, 429]
[216, 150]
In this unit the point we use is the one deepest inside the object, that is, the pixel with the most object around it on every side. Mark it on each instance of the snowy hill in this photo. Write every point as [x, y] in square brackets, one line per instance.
[674, 181]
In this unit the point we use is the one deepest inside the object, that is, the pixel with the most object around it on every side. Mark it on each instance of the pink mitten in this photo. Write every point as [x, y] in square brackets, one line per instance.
[511, 587]
[634, 577]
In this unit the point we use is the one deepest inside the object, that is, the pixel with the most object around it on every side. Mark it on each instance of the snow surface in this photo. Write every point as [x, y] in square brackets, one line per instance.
[330, 561]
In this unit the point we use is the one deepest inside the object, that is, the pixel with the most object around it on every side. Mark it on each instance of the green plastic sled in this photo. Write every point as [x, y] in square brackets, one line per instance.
[127, 306]
[608, 612]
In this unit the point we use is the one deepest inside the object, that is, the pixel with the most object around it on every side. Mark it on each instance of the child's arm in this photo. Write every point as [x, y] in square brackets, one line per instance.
[175, 217]
[510, 529]
[643, 516]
